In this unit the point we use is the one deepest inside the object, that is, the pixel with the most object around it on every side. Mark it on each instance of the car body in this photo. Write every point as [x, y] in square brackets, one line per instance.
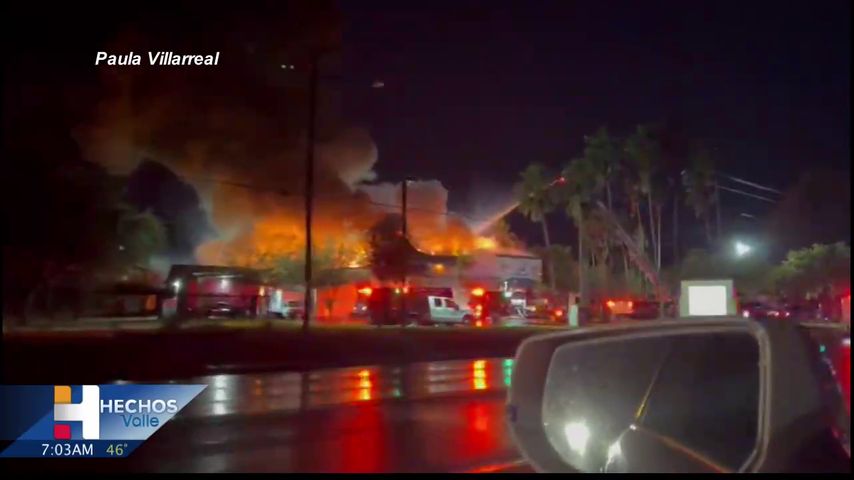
[538, 307]
[620, 306]
[444, 310]
[292, 309]
[650, 310]
[222, 310]
[629, 307]
[360, 310]
[558, 314]
[758, 311]
[846, 309]
[801, 312]
[777, 400]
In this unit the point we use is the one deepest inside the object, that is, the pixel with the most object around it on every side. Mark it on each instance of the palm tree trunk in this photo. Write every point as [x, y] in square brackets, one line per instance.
[708, 230]
[640, 226]
[675, 228]
[658, 236]
[625, 251]
[652, 239]
[581, 258]
[608, 196]
[549, 263]
[717, 213]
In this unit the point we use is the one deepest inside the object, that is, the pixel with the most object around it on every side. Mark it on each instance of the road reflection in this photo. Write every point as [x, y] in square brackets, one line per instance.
[426, 417]
[241, 394]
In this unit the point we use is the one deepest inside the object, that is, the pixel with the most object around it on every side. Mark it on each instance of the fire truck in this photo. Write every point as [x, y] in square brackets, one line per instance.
[846, 309]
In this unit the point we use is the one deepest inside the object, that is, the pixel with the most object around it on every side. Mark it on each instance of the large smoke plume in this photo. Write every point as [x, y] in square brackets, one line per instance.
[237, 132]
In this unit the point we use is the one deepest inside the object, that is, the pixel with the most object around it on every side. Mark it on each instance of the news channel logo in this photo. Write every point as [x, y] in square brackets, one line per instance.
[88, 420]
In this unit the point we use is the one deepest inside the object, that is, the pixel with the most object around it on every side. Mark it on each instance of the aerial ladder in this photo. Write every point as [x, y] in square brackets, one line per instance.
[637, 256]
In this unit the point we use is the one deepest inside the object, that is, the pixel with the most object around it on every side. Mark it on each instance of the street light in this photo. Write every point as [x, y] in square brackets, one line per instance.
[742, 249]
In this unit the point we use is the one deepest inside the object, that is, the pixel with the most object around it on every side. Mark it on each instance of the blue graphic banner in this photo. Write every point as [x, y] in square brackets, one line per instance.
[95, 421]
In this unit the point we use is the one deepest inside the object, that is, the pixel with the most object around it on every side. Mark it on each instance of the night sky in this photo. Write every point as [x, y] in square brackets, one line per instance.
[477, 90]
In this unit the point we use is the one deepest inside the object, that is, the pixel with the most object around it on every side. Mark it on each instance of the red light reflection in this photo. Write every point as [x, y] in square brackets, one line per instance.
[843, 373]
[482, 433]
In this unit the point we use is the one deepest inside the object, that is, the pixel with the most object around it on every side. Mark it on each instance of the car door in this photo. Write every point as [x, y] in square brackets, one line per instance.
[437, 309]
[452, 311]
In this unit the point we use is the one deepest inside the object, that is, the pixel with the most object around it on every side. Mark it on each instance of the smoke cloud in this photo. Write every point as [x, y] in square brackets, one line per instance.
[237, 133]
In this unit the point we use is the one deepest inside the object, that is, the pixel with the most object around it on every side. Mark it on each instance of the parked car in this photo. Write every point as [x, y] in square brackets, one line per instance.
[433, 310]
[758, 311]
[649, 310]
[293, 309]
[802, 312]
[223, 310]
[360, 310]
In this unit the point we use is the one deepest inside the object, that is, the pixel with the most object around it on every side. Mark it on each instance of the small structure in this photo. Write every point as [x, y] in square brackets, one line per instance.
[707, 298]
[123, 300]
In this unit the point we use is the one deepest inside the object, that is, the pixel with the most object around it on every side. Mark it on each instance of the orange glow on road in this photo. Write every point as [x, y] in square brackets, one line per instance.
[365, 385]
[479, 379]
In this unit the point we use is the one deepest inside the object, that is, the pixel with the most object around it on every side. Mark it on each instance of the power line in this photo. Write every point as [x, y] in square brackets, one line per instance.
[746, 194]
[751, 184]
[231, 183]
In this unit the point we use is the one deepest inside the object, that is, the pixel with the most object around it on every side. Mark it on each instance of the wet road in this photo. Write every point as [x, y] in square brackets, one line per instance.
[431, 417]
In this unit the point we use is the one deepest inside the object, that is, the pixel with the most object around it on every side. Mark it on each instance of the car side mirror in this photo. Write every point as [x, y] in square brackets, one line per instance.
[705, 395]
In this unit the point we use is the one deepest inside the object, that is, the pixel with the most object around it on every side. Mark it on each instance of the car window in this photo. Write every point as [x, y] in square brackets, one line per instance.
[437, 302]
[451, 304]
[706, 397]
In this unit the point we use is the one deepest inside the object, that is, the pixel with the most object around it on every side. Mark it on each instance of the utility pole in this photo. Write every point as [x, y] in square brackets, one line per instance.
[309, 186]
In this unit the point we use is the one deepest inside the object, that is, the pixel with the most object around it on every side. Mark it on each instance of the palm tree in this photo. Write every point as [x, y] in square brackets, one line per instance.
[699, 183]
[576, 192]
[536, 200]
[675, 153]
[644, 152]
[603, 153]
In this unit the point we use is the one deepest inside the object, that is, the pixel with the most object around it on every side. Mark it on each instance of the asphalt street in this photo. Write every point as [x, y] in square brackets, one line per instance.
[426, 417]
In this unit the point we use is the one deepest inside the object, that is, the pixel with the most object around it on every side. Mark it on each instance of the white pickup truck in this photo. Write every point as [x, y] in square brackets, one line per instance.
[433, 310]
